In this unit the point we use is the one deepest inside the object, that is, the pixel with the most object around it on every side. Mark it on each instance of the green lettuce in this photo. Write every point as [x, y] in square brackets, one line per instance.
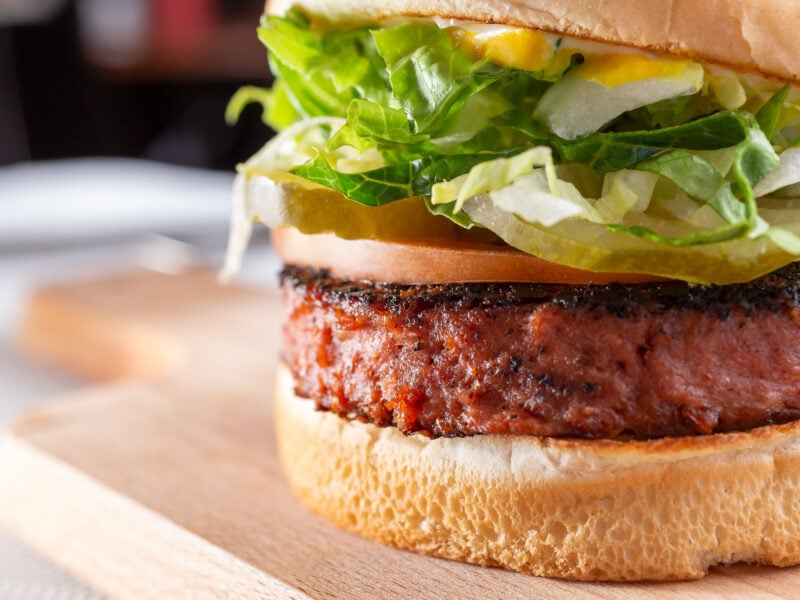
[447, 127]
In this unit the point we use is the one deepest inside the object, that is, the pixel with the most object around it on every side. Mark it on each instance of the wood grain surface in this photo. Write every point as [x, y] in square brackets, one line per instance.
[162, 480]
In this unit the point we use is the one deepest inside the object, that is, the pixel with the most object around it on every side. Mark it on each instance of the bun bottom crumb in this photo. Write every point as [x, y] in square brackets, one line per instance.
[587, 510]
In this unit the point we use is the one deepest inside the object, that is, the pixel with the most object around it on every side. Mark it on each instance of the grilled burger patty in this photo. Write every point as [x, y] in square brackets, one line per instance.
[644, 360]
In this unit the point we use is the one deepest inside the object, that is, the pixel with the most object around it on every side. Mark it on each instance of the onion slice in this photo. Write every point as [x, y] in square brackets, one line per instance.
[430, 262]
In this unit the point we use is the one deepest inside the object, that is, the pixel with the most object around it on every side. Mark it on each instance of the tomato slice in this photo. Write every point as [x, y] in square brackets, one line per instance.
[430, 262]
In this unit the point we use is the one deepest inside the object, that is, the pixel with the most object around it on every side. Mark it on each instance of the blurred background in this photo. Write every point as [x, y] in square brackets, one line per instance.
[136, 78]
[114, 155]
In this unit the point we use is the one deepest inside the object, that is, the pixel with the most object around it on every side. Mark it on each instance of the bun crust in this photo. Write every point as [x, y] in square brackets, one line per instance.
[741, 34]
[587, 510]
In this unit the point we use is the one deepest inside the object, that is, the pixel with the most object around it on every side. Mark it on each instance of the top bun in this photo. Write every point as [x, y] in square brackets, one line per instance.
[746, 35]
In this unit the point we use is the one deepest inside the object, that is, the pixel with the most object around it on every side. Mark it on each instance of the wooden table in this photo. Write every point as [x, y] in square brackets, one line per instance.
[161, 480]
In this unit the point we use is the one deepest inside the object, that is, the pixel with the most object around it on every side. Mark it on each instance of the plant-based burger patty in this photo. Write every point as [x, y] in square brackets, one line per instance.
[645, 360]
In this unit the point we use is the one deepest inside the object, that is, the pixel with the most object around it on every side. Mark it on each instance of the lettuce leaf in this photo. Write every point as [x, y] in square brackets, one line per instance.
[754, 159]
[769, 114]
[386, 112]
[492, 175]
[393, 182]
[787, 173]
[430, 79]
[606, 152]
[323, 69]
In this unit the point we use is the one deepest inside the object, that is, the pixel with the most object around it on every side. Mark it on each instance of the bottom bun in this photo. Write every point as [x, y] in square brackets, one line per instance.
[588, 510]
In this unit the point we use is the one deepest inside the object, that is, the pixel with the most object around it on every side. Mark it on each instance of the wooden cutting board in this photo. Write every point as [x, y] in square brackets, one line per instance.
[161, 480]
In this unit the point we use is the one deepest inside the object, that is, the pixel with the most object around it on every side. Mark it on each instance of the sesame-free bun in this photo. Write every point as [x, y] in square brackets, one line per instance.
[588, 510]
[758, 36]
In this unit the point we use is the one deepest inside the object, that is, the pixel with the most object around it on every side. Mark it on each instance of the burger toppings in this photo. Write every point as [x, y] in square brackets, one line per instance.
[588, 155]
[646, 360]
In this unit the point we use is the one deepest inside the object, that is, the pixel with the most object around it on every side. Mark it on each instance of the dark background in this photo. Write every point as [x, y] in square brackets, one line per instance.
[135, 78]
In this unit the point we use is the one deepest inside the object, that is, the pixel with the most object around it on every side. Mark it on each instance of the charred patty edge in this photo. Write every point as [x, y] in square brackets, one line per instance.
[773, 292]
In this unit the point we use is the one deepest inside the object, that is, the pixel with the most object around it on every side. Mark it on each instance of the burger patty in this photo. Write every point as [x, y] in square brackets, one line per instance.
[645, 360]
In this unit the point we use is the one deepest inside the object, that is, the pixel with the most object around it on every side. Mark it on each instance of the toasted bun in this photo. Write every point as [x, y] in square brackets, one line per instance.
[745, 35]
[589, 510]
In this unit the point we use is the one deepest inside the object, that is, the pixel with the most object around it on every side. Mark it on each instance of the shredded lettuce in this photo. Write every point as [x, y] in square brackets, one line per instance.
[492, 175]
[534, 200]
[513, 185]
[625, 192]
[593, 171]
[787, 173]
[614, 151]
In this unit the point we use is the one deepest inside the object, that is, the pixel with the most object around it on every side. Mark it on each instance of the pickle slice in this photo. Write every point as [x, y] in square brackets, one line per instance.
[591, 246]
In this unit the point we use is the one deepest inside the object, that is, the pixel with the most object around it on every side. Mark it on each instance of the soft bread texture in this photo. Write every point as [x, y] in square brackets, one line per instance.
[587, 510]
[742, 34]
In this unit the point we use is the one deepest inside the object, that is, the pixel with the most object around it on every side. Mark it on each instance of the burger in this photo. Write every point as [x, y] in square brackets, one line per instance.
[543, 304]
